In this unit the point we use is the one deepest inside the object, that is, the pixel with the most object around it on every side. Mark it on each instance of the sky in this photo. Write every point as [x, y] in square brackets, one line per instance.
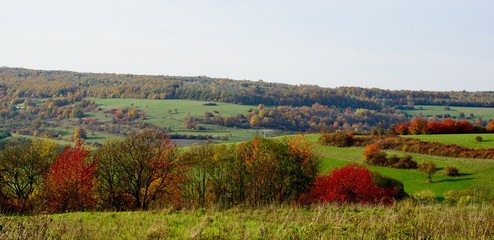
[439, 45]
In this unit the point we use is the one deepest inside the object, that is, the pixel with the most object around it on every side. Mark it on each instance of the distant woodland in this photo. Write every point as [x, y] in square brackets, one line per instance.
[33, 99]
[16, 82]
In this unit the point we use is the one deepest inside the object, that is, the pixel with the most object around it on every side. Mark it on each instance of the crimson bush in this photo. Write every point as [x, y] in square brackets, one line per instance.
[353, 184]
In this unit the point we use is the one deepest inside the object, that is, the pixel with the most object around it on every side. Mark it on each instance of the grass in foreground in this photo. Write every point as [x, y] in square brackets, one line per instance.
[404, 221]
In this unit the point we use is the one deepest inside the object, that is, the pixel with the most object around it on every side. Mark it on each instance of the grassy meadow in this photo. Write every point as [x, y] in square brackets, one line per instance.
[167, 114]
[428, 111]
[464, 140]
[475, 173]
[162, 113]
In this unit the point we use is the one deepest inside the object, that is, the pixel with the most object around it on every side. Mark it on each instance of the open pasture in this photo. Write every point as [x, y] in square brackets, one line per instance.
[464, 140]
[172, 113]
[431, 111]
[474, 172]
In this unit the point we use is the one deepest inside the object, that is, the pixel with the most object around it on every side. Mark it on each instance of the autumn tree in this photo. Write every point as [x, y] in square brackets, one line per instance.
[464, 126]
[200, 157]
[143, 167]
[255, 120]
[428, 168]
[262, 158]
[79, 133]
[132, 114]
[70, 183]
[110, 178]
[23, 166]
[418, 126]
[434, 127]
[300, 168]
[278, 170]
[189, 122]
[449, 126]
[402, 128]
[76, 113]
[490, 126]
[374, 155]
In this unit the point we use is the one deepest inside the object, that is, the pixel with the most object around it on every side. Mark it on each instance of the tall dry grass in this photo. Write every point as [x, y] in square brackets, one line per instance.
[406, 220]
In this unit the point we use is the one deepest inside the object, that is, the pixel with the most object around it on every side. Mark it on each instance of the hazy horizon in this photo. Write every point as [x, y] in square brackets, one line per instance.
[414, 45]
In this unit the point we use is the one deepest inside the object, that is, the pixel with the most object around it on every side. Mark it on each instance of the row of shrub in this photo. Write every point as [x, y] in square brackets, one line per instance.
[147, 171]
[375, 156]
[343, 139]
[475, 195]
[424, 126]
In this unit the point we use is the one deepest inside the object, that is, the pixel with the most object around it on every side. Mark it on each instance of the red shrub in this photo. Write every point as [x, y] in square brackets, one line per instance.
[464, 126]
[349, 184]
[70, 183]
[401, 129]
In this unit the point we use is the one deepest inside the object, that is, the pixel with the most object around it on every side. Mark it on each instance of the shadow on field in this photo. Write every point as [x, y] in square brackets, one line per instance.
[454, 180]
[95, 137]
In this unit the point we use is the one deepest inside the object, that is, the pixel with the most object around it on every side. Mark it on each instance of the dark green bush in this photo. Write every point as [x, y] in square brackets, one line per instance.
[390, 184]
[452, 171]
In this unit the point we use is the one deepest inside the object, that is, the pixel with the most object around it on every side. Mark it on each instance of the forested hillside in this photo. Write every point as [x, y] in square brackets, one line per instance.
[56, 103]
[37, 83]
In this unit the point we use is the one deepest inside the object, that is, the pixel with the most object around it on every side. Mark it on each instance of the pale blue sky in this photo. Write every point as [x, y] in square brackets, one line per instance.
[393, 44]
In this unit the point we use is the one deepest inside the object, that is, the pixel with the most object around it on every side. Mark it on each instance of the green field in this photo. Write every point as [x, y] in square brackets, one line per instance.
[475, 172]
[464, 140]
[169, 114]
[162, 113]
[157, 111]
[428, 111]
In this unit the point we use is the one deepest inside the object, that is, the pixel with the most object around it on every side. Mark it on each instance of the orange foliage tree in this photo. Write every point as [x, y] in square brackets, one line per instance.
[490, 126]
[418, 126]
[374, 155]
[69, 185]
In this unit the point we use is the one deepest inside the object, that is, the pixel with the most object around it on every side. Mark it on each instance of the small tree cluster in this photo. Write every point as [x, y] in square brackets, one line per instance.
[258, 172]
[423, 126]
[430, 148]
[337, 139]
[375, 156]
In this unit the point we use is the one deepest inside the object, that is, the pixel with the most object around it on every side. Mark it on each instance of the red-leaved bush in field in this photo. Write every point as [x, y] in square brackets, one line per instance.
[69, 185]
[350, 184]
